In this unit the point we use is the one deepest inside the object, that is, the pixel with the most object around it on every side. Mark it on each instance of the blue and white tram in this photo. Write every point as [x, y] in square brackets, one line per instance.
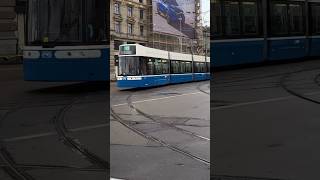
[256, 31]
[67, 40]
[141, 67]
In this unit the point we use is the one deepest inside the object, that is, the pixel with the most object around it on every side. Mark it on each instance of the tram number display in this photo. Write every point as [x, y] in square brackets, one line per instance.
[127, 50]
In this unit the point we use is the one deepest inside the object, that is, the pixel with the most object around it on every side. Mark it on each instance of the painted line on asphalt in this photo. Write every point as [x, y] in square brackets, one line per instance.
[156, 99]
[260, 101]
[33, 136]
[89, 127]
[29, 137]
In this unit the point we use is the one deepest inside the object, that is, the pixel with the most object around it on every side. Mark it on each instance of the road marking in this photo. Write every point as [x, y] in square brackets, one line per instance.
[156, 99]
[29, 137]
[261, 101]
[89, 127]
[33, 136]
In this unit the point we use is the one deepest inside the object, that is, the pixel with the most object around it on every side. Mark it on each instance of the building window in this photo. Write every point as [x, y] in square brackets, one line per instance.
[130, 28]
[141, 13]
[117, 8]
[140, 1]
[141, 30]
[117, 44]
[130, 10]
[117, 26]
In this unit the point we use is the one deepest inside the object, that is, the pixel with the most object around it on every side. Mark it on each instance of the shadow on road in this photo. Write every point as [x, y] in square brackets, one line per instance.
[77, 88]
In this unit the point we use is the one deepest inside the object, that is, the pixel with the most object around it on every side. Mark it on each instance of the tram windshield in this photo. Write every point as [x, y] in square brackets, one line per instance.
[135, 66]
[66, 22]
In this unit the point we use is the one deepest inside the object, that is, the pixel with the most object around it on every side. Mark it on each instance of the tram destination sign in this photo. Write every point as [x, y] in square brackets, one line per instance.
[127, 50]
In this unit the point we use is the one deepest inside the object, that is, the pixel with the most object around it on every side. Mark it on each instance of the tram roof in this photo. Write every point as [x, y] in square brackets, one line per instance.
[157, 53]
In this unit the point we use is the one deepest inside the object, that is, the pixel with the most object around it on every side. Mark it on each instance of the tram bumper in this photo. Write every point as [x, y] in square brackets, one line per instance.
[35, 70]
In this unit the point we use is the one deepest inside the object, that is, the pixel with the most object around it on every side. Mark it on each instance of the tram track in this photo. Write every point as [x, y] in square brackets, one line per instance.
[154, 120]
[291, 91]
[46, 104]
[53, 167]
[19, 171]
[202, 90]
[11, 167]
[154, 139]
[62, 131]
[148, 116]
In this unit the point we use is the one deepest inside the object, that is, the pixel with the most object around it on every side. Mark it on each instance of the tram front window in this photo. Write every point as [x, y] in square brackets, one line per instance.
[66, 21]
[135, 66]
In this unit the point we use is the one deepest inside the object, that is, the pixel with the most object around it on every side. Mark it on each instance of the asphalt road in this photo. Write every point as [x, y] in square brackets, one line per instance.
[161, 133]
[266, 122]
[52, 130]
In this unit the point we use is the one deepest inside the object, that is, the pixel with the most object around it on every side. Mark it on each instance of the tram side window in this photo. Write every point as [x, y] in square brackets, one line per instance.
[196, 67]
[157, 66]
[315, 18]
[279, 18]
[236, 18]
[203, 67]
[249, 17]
[175, 67]
[143, 66]
[217, 18]
[165, 67]
[150, 69]
[188, 67]
[232, 18]
[182, 67]
[200, 67]
[296, 18]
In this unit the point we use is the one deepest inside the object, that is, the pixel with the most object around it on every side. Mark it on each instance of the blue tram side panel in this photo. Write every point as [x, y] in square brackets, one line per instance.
[314, 50]
[136, 59]
[238, 41]
[236, 52]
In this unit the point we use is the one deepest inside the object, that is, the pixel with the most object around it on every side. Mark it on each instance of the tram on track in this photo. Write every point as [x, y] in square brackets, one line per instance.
[67, 40]
[256, 31]
[141, 67]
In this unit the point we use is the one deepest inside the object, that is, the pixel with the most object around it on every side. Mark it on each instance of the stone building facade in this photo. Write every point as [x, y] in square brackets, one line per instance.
[11, 29]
